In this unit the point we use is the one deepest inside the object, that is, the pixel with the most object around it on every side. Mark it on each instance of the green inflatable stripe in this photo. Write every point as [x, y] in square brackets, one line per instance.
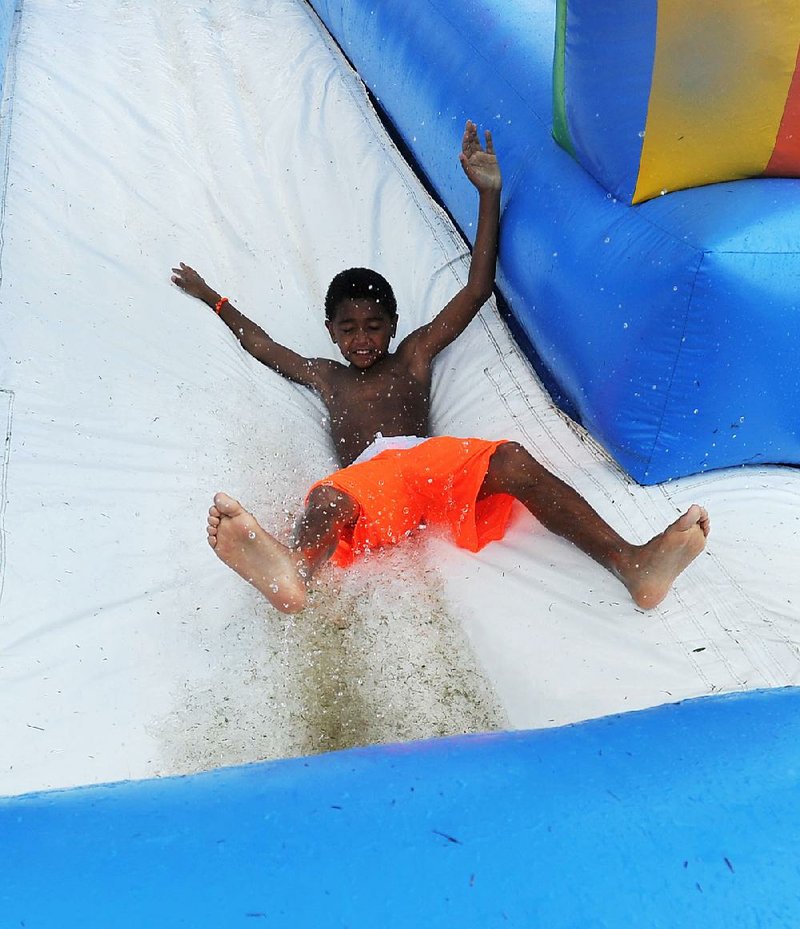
[560, 126]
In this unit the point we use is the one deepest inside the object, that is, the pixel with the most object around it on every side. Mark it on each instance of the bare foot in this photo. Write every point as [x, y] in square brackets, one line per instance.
[653, 567]
[255, 555]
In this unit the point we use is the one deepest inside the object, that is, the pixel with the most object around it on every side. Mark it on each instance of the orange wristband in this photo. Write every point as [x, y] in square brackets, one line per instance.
[220, 303]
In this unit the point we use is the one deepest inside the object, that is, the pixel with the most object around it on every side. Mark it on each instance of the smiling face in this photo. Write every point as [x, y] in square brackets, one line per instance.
[362, 329]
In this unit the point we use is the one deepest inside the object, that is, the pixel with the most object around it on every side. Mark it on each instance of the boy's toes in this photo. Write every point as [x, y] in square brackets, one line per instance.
[213, 511]
[227, 506]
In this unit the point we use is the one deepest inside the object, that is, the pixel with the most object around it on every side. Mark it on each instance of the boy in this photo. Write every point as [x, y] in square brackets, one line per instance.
[388, 487]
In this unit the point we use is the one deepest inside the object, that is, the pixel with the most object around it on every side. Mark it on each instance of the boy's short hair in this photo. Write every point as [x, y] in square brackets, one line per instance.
[359, 283]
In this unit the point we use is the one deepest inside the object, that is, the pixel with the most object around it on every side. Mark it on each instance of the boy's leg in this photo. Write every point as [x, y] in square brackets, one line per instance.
[281, 573]
[646, 570]
[328, 513]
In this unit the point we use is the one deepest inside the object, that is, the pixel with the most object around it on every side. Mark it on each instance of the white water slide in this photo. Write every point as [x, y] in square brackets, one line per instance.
[231, 134]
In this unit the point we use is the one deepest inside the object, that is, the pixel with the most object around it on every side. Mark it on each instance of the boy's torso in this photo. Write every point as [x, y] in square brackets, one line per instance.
[391, 397]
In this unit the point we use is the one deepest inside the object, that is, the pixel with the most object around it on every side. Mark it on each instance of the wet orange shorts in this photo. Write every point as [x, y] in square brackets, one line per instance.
[434, 483]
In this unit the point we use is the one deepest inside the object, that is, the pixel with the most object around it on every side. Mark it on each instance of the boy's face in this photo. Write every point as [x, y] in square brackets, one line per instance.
[362, 329]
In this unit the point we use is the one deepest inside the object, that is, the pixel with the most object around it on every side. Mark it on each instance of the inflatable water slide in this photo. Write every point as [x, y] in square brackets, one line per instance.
[441, 739]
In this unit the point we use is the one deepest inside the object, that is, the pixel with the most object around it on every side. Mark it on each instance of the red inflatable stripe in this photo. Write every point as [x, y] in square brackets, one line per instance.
[785, 158]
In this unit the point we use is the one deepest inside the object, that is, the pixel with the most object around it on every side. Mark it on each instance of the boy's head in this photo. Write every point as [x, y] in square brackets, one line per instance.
[359, 284]
[361, 315]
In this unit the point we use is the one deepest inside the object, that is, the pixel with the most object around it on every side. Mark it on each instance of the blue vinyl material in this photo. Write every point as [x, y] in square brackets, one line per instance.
[681, 816]
[669, 328]
[607, 86]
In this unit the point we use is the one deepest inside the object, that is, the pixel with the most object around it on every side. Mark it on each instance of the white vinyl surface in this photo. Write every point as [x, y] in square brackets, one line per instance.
[232, 135]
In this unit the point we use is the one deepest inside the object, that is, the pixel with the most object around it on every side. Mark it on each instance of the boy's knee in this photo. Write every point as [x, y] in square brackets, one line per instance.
[509, 457]
[326, 497]
[514, 466]
[293, 602]
[512, 449]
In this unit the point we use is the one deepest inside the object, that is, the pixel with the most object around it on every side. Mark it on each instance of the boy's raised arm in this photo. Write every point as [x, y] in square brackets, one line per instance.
[294, 367]
[481, 167]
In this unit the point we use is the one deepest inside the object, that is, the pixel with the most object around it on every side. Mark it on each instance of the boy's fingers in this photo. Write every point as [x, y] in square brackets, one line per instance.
[489, 142]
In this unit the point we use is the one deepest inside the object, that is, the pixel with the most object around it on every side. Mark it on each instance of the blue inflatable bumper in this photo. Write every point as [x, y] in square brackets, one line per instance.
[680, 816]
[673, 327]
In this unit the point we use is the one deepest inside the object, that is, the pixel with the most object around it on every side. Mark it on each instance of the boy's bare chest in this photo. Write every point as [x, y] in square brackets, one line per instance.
[390, 386]
[387, 399]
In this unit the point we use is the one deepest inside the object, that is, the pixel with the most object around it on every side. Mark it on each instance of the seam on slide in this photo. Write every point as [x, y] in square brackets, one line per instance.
[355, 86]
[6, 115]
[622, 479]
[4, 465]
[777, 673]
[6, 119]
[602, 489]
[661, 612]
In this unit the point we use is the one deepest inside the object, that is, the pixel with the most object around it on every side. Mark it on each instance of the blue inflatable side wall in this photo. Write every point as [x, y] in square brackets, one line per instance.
[673, 327]
[680, 816]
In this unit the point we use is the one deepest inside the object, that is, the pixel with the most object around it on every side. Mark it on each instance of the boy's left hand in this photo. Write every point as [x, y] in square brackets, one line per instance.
[191, 283]
[479, 165]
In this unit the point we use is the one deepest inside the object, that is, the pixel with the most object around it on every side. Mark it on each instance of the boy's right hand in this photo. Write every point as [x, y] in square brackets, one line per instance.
[479, 164]
[191, 283]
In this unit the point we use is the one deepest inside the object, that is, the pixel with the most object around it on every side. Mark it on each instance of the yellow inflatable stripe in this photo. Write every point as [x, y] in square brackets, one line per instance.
[721, 76]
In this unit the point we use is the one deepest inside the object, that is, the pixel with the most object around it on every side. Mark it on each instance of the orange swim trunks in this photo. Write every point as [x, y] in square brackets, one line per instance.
[434, 483]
